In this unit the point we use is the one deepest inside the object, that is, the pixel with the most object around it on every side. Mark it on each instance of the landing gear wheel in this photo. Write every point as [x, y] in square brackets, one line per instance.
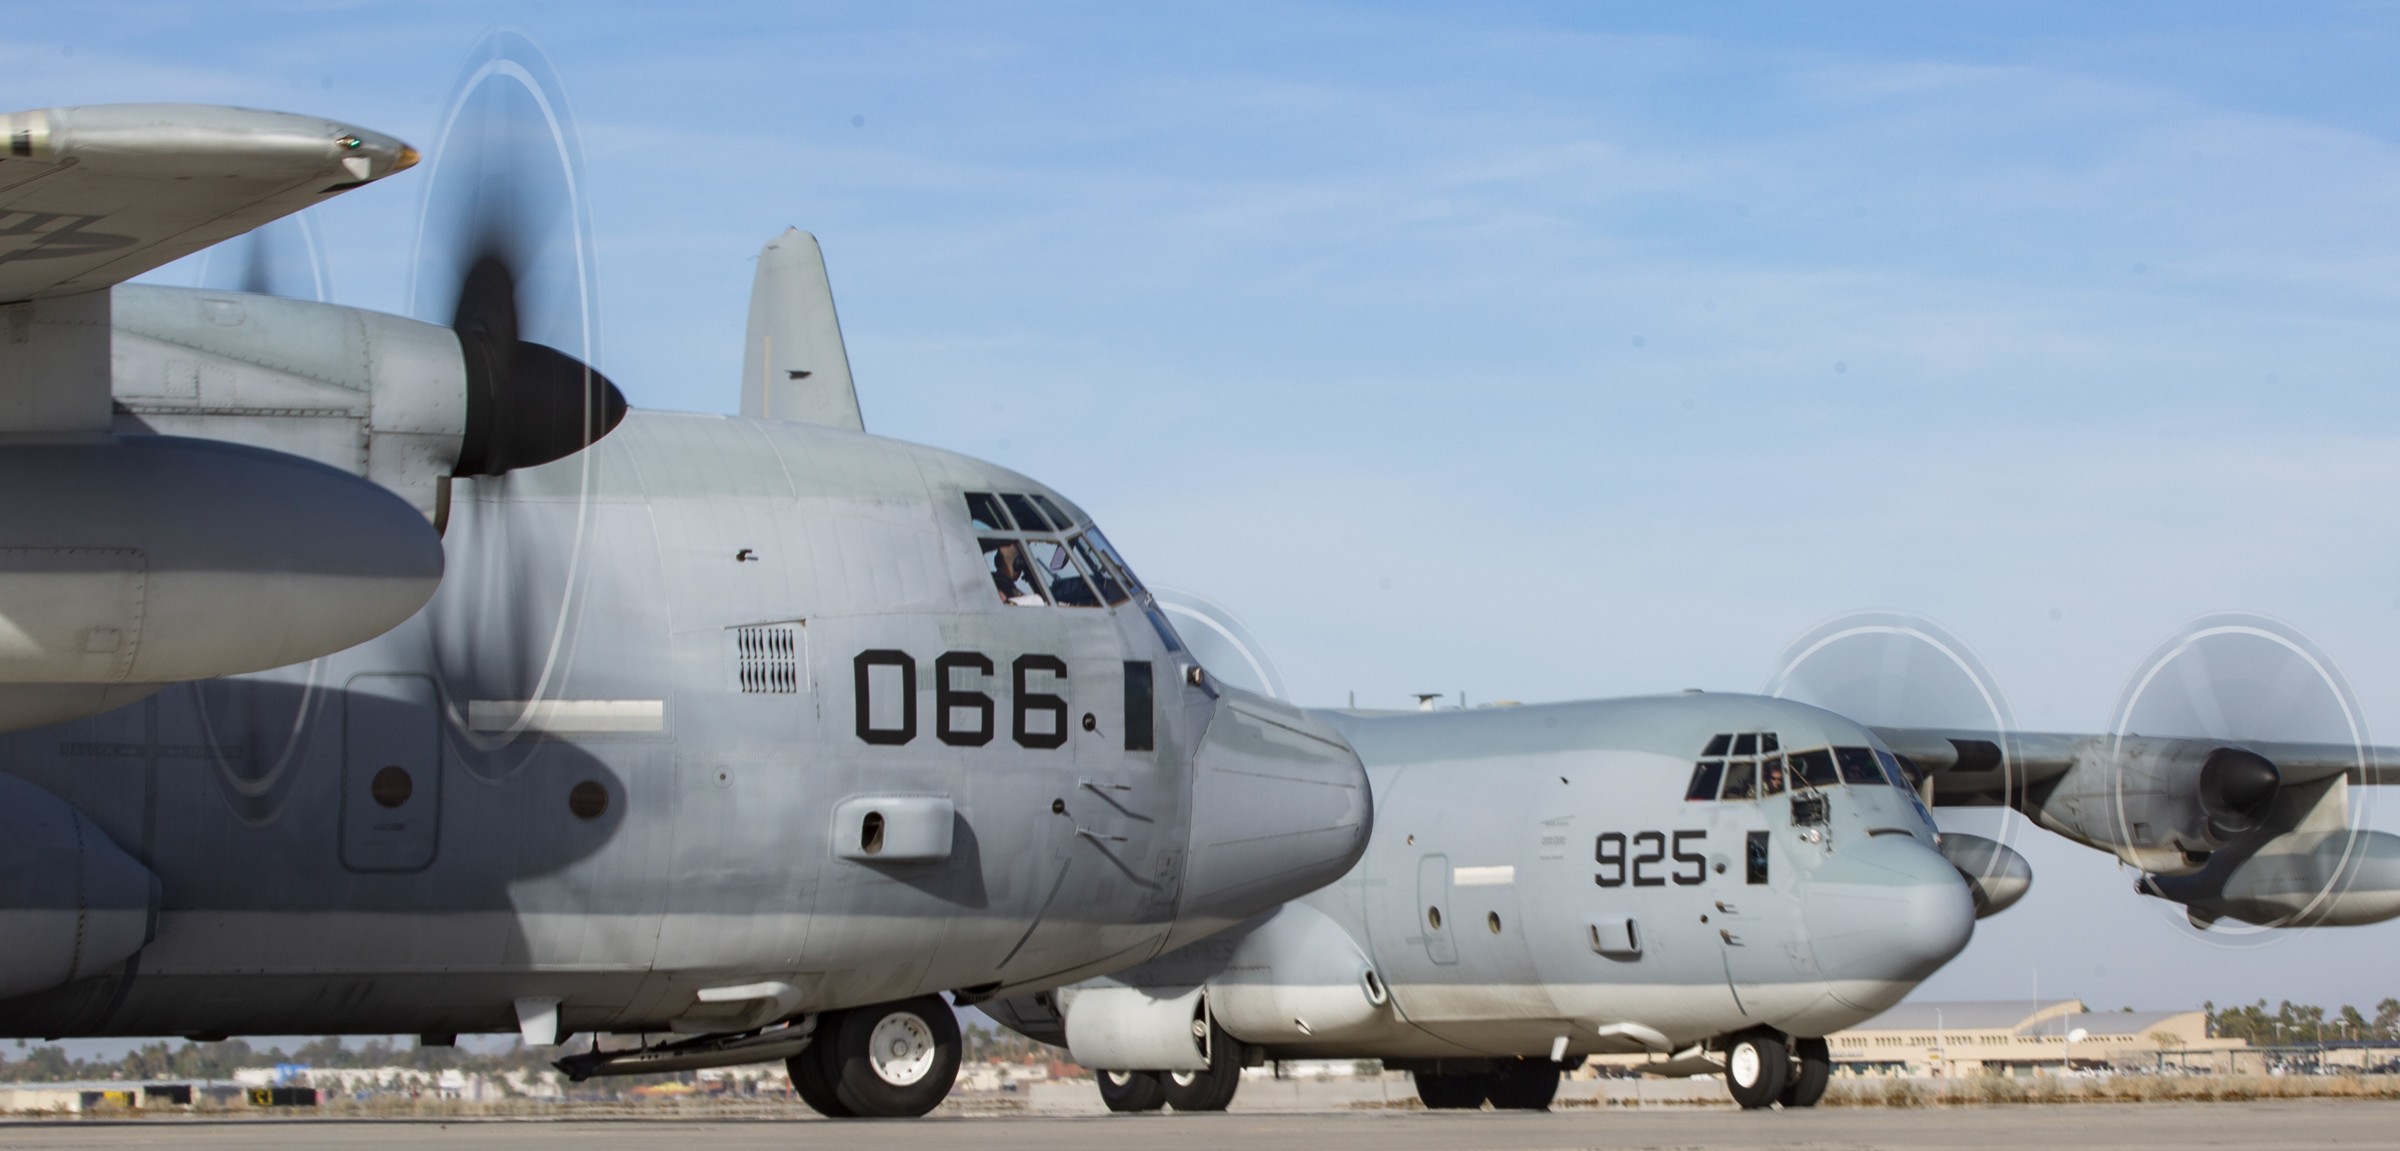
[1130, 1091]
[812, 1077]
[1525, 1085]
[1756, 1066]
[1452, 1092]
[895, 1061]
[1812, 1066]
[1210, 1090]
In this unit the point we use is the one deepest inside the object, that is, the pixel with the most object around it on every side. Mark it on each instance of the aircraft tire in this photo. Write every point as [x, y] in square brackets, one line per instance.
[895, 1060]
[811, 1079]
[1812, 1068]
[1127, 1092]
[1756, 1067]
[1210, 1090]
[1452, 1092]
[1525, 1085]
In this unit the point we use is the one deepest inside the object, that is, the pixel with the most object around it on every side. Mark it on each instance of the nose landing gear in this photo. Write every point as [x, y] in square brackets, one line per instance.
[1764, 1068]
[1757, 1065]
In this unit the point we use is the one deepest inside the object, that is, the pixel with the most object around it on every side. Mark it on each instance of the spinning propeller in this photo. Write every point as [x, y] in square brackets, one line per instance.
[504, 258]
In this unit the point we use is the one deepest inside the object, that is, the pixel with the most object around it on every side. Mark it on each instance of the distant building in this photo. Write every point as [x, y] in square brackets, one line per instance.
[111, 1095]
[2021, 1038]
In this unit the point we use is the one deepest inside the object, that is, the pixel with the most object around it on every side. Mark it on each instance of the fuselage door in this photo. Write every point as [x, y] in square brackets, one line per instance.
[1433, 900]
[391, 773]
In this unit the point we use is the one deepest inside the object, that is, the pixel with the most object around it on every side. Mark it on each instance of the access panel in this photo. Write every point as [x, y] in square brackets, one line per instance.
[391, 773]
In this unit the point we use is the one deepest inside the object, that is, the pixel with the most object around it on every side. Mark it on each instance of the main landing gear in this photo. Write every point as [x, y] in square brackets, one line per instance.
[1763, 1068]
[1206, 1090]
[1511, 1085]
[893, 1061]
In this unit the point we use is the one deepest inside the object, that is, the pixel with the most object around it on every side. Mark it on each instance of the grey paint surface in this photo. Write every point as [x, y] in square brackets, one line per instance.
[1492, 817]
[619, 583]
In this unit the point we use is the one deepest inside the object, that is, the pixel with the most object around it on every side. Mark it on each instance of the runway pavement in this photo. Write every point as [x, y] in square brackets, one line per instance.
[2118, 1127]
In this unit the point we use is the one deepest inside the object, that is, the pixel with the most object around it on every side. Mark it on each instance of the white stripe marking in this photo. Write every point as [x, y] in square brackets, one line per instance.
[566, 715]
[1500, 876]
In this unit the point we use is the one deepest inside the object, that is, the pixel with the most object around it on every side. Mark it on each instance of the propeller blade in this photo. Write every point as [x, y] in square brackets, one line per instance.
[283, 257]
[505, 258]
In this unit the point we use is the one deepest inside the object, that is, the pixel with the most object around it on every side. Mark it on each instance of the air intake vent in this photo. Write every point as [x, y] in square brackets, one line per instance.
[768, 658]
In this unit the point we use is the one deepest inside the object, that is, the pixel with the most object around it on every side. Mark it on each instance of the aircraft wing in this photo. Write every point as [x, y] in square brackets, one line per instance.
[93, 196]
[1970, 768]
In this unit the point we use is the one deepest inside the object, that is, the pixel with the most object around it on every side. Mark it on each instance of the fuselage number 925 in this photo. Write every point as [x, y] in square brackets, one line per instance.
[1642, 858]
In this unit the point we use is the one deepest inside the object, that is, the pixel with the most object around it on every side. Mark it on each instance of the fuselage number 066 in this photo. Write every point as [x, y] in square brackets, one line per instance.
[1642, 857]
[964, 716]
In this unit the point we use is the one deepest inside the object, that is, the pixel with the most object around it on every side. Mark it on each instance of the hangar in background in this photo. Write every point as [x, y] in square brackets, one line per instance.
[2023, 1038]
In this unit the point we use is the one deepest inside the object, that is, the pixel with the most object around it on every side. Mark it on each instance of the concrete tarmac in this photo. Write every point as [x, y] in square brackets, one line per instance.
[2297, 1124]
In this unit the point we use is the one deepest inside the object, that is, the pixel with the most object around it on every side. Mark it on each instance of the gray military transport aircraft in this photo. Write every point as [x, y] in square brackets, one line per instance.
[2235, 805]
[364, 674]
[1717, 880]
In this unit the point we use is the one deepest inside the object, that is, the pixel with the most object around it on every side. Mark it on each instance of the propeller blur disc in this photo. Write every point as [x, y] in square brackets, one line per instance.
[1887, 669]
[2248, 680]
[1890, 669]
[1221, 643]
[505, 183]
[505, 259]
[282, 257]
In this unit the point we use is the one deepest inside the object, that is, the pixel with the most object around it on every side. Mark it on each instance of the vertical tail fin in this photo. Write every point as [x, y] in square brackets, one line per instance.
[793, 365]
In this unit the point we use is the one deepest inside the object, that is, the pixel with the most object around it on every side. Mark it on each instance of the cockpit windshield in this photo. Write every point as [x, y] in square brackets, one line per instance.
[1753, 766]
[1038, 556]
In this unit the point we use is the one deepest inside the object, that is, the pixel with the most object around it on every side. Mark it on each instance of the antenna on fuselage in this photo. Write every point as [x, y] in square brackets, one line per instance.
[1426, 699]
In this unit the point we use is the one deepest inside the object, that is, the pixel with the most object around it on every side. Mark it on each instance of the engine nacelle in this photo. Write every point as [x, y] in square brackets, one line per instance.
[142, 560]
[2162, 804]
[72, 904]
[2302, 878]
[393, 400]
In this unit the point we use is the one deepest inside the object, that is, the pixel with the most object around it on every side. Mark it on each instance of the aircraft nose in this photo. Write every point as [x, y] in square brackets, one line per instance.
[1280, 807]
[1883, 913]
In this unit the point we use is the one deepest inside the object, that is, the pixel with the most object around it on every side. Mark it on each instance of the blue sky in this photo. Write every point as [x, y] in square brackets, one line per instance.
[1534, 351]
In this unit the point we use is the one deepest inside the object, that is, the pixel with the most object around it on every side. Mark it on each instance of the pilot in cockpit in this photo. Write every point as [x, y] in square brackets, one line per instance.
[1011, 575]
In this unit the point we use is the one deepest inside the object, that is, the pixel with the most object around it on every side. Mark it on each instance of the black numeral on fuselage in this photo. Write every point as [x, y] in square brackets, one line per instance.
[966, 715]
[1641, 858]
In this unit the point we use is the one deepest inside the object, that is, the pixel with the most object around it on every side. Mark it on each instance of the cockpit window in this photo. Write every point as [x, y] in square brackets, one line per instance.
[1741, 779]
[1035, 556]
[1069, 586]
[1859, 766]
[1812, 768]
[1111, 589]
[1058, 519]
[1704, 780]
[1023, 511]
[1902, 771]
[1108, 549]
[983, 510]
[1012, 574]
